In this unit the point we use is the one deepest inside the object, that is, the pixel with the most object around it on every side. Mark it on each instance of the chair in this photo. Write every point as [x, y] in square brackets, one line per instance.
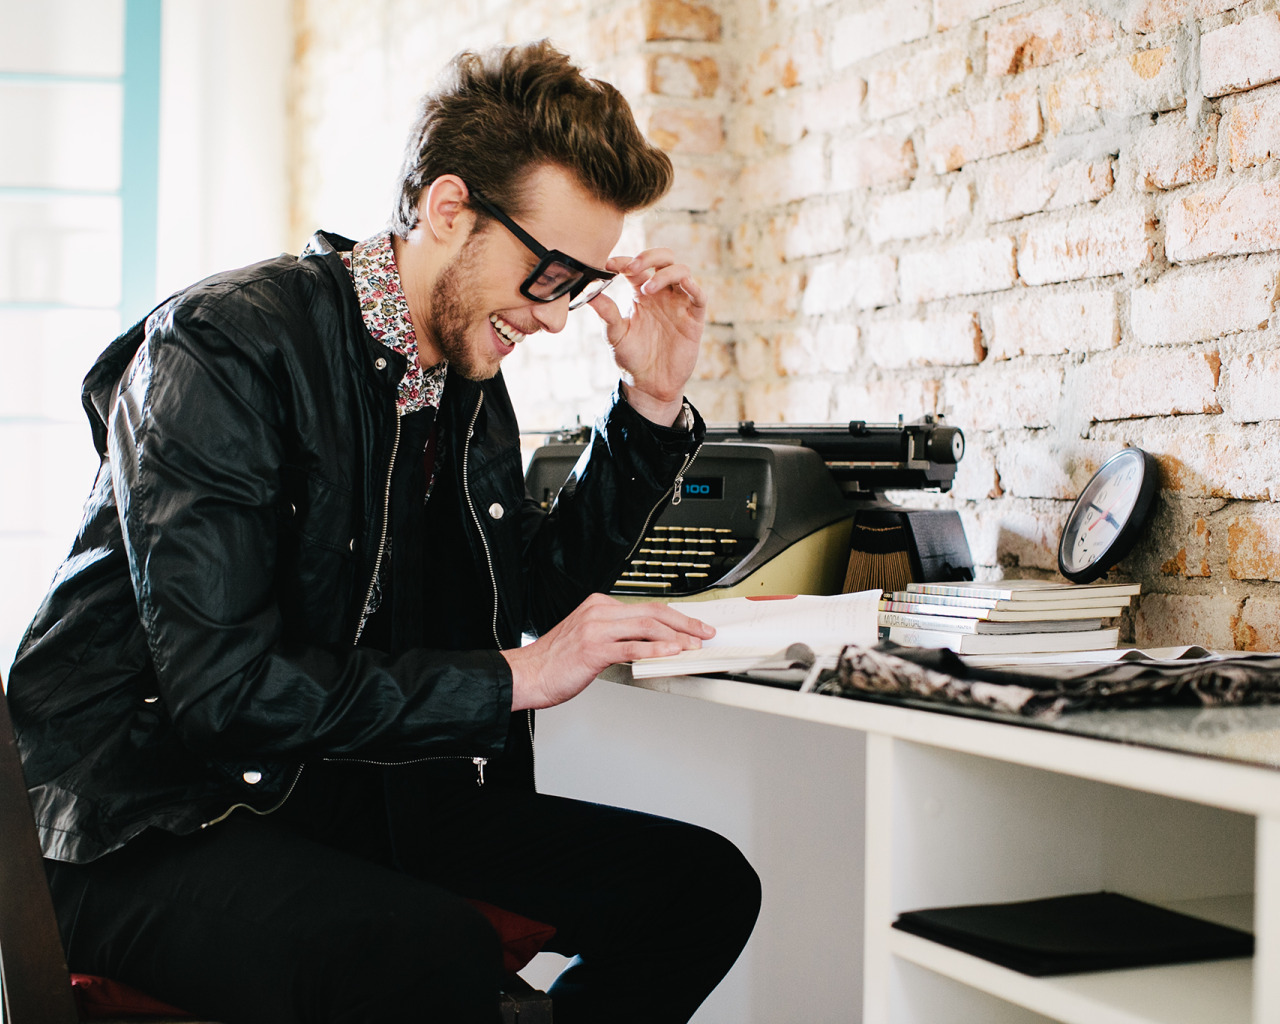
[37, 987]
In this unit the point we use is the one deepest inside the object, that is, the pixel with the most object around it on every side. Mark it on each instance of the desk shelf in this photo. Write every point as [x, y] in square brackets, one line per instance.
[962, 810]
[947, 828]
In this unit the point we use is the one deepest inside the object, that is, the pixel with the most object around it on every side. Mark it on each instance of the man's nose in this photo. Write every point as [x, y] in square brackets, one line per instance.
[552, 315]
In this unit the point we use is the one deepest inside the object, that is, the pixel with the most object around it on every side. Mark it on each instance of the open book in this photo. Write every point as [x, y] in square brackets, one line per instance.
[751, 630]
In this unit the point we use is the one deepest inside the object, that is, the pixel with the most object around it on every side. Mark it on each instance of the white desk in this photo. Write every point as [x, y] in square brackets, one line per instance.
[962, 810]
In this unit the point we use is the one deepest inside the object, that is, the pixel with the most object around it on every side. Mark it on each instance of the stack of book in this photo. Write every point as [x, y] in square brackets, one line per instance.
[1005, 617]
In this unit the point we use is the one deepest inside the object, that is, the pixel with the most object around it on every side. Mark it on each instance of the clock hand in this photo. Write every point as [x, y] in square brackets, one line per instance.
[1106, 513]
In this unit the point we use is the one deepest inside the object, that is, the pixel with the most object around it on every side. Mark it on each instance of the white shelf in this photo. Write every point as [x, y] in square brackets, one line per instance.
[963, 810]
[1217, 992]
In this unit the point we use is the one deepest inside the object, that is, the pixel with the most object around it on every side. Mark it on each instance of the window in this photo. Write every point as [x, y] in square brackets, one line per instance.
[79, 113]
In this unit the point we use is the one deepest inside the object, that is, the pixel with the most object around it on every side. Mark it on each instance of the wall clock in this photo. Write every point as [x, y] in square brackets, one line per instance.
[1107, 518]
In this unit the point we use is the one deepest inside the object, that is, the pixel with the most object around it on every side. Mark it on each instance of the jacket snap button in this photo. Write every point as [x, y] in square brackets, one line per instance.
[253, 778]
[495, 511]
[380, 363]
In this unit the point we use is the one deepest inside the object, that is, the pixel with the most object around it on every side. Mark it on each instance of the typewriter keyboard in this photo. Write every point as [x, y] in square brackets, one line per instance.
[682, 559]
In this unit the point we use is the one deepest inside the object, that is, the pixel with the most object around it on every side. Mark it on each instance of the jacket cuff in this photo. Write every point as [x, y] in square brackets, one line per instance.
[679, 439]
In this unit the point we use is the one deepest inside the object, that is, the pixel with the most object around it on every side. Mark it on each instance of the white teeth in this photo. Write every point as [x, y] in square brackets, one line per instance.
[505, 329]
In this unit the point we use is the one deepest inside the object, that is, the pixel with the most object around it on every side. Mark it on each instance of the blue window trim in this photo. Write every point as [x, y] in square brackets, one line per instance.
[140, 157]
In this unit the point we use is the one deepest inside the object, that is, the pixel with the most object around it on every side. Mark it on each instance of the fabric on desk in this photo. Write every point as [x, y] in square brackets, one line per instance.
[1082, 932]
[1048, 691]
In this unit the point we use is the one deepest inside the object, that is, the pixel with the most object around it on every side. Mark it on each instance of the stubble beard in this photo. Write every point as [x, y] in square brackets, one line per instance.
[453, 319]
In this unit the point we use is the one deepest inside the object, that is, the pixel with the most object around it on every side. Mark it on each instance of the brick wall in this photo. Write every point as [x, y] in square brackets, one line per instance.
[1055, 223]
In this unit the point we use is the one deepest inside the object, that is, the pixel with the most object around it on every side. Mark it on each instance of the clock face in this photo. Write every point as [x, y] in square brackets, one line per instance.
[1104, 523]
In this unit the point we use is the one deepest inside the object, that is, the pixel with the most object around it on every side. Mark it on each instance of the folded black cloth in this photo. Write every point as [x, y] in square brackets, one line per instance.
[1048, 691]
[1083, 932]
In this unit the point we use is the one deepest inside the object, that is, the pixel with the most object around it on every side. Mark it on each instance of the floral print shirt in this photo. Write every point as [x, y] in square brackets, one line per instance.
[385, 310]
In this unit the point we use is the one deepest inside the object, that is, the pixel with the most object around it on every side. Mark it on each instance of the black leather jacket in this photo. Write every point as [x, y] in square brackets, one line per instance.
[201, 641]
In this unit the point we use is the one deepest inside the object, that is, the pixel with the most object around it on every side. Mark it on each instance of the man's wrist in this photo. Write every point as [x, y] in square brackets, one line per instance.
[672, 414]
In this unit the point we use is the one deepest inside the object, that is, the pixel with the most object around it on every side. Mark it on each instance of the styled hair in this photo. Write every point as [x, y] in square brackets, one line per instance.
[495, 116]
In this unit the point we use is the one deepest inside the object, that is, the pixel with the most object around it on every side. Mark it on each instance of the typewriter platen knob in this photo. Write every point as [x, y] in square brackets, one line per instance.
[944, 444]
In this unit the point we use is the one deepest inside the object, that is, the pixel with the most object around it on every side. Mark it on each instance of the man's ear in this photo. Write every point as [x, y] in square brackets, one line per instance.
[443, 209]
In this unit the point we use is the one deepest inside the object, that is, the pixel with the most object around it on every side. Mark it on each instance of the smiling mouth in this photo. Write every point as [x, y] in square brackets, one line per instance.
[508, 333]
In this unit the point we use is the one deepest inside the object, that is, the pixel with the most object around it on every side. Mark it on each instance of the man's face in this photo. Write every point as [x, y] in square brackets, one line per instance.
[477, 314]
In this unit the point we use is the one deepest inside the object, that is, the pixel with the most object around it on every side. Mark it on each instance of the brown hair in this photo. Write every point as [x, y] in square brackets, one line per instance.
[495, 115]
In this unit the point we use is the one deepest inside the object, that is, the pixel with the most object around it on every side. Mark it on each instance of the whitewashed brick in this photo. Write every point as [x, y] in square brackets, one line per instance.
[686, 130]
[873, 158]
[951, 339]
[1044, 37]
[914, 213]
[1197, 304]
[798, 172]
[997, 398]
[815, 229]
[1173, 153]
[696, 244]
[1094, 245]
[1191, 560]
[1213, 464]
[921, 78]
[682, 76]
[1253, 544]
[1016, 534]
[828, 287]
[874, 281]
[1136, 83]
[829, 108]
[1128, 386]
[879, 28]
[1253, 132]
[1041, 324]
[878, 397]
[1224, 221]
[698, 188]
[784, 66]
[1025, 185]
[718, 403]
[1253, 387]
[765, 296]
[950, 13]
[976, 477]
[793, 400]
[1170, 620]
[1146, 16]
[1031, 469]
[1258, 626]
[830, 348]
[1241, 56]
[967, 268]
[1002, 125]
[755, 357]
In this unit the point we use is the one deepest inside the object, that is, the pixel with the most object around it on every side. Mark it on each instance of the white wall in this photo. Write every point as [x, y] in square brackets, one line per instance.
[788, 793]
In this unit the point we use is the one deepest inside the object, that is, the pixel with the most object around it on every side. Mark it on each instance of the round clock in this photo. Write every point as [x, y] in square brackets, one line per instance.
[1105, 521]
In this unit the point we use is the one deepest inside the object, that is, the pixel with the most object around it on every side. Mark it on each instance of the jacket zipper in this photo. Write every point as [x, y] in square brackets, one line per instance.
[488, 558]
[675, 494]
[368, 595]
[479, 762]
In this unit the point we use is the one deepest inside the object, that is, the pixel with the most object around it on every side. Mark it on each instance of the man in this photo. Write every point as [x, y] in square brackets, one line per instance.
[275, 714]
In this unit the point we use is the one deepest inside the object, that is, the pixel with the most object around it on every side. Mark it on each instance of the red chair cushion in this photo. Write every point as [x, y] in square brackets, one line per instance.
[104, 999]
[522, 937]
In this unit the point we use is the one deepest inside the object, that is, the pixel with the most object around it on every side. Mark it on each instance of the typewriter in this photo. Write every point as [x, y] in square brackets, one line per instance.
[790, 509]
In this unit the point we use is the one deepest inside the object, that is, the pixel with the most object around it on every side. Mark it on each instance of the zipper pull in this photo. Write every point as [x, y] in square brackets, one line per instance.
[479, 762]
[677, 492]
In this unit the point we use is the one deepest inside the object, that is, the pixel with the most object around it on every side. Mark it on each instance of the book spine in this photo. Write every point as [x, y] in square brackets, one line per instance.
[910, 637]
[937, 610]
[939, 622]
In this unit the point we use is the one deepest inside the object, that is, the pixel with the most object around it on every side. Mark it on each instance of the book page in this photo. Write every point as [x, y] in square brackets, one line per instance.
[749, 629]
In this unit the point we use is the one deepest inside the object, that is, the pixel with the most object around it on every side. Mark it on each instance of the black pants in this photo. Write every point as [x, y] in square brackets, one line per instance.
[320, 914]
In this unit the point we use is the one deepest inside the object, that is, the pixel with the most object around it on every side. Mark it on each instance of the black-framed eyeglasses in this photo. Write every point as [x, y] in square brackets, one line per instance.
[557, 274]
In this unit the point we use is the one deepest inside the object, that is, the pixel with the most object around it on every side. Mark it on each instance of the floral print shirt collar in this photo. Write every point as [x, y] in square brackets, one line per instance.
[385, 311]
